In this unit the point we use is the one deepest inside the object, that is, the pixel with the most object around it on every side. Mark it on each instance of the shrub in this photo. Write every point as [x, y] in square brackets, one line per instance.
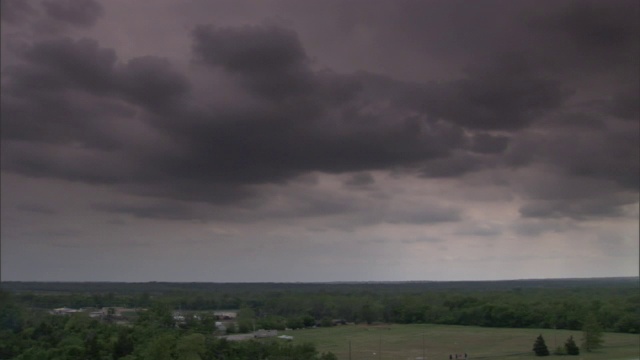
[571, 347]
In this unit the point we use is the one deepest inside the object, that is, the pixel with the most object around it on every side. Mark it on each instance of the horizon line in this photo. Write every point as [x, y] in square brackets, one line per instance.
[318, 282]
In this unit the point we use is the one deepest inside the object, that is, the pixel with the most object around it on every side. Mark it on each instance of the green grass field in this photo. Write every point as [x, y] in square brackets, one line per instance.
[403, 342]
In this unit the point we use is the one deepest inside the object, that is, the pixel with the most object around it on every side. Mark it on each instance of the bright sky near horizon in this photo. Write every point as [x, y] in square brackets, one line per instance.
[315, 140]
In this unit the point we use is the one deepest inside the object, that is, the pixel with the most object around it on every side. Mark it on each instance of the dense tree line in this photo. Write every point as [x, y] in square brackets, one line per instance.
[615, 304]
[539, 309]
[27, 334]
[157, 288]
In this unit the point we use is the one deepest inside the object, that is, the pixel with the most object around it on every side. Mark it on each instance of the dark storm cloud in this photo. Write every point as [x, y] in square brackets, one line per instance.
[507, 94]
[325, 123]
[15, 11]
[328, 127]
[63, 97]
[83, 120]
[489, 144]
[67, 64]
[62, 233]
[453, 166]
[626, 103]
[270, 59]
[73, 163]
[332, 130]
[83, 13]
[591, 153]
[588, 118]
[595, 25]
[588, 39]
[35, 209]
[579, 209]
[615, 158]
[152, 83]
[64, 64]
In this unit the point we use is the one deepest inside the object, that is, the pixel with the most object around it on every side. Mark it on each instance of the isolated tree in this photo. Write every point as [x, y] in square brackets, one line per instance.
[539, 347]
[591, 334]
[571, 347]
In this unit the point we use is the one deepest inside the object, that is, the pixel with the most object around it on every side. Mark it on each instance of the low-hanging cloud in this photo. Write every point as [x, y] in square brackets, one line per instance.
[63, 96]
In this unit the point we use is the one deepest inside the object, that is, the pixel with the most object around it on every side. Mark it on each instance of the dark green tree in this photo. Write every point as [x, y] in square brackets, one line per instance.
[191, 347]
[571, 347]
[295, 323]
[124, 344]
[326, 322]
[591, 334]
[246, 320]
[308, 321]
[367, 313]
[91, 345]
[539, 347]
[629, 323]
[160, 348]
[11, 314]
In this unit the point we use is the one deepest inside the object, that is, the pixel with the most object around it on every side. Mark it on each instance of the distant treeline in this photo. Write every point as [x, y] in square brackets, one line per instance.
[154, 287]
[562, 303]
[30, 334]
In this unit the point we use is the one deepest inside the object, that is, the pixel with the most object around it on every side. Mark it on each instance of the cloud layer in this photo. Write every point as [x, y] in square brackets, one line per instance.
[262, 117]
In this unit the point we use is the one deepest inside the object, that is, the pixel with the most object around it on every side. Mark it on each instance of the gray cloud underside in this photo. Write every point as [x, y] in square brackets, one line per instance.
[83, 13]
[72, 110]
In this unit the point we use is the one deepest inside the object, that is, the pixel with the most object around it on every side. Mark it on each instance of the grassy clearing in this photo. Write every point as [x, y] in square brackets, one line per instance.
[402, 342]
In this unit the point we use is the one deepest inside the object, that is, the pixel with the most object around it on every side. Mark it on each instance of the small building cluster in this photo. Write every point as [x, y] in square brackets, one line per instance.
[225, 315]
[119, 315]
[64, 311]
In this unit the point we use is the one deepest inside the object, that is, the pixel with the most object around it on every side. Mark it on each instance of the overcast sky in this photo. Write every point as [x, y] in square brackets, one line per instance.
[319, 140]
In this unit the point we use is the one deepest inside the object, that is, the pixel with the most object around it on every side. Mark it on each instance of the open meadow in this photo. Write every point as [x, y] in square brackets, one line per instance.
[403, 342]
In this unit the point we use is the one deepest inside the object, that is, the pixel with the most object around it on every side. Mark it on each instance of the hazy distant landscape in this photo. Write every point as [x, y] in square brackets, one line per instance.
[394, 320]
